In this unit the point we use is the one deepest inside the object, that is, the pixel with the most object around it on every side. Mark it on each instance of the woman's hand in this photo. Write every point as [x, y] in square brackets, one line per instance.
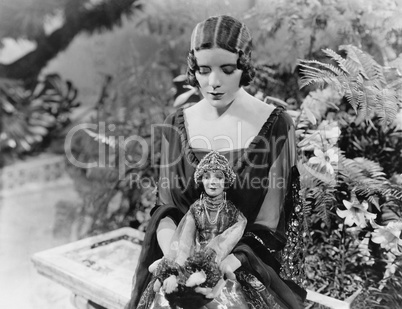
[212, 292]
[229, 265]
[170, 284]
[157, 285]
[154, 266]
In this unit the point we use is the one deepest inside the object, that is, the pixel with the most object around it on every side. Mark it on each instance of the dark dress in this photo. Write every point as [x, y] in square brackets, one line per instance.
[265, 191]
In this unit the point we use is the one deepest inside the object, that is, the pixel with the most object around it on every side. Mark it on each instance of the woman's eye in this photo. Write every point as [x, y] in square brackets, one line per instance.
[228, 69]
[204, 71]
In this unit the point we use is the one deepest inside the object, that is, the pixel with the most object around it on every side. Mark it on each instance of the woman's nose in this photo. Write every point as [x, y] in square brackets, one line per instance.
[214, 80]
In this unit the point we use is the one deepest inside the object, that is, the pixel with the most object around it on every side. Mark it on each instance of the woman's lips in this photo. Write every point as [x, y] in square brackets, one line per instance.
[216, 95]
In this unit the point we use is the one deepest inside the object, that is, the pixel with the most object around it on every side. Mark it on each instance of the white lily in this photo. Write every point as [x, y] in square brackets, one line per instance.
[356, 213]
[326, 159]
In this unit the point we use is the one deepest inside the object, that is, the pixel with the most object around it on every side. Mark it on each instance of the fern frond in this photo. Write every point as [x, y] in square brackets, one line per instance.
[368, 189]
[337, 58]
[367, 86]
[386, 107]
[353, 61]
[325, 178]
[392, 192]
[313, 75]
[325, 200]
[360, 170]
[322, 65]
[371, 70]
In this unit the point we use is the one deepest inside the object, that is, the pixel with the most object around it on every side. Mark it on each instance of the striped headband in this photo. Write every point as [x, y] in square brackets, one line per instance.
[223, 32]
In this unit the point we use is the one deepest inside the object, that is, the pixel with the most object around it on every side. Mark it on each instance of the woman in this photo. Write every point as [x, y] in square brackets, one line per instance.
[258, 140]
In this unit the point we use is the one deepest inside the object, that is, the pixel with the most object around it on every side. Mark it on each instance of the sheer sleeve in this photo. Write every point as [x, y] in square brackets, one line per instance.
[182, 243]
[164, 194]
[164, 186]
[273, 213]
[224, 243]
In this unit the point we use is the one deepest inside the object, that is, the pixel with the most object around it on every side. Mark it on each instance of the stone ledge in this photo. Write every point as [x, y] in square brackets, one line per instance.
[99, 268]
[33, 173]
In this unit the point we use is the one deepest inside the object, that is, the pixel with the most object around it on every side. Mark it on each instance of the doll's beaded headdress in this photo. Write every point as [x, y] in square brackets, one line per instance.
[213, 161]
[224, 32]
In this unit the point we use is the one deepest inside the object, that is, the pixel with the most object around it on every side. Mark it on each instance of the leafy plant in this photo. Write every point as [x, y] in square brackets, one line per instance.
[365, 84]
[370, 140]
[32, 117]
[354, 206]
[121, 189]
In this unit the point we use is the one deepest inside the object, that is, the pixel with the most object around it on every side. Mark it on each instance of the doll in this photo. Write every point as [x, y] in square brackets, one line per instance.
[204, 238]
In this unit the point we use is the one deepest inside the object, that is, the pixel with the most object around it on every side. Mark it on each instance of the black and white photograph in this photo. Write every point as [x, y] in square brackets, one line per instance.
[188, 154]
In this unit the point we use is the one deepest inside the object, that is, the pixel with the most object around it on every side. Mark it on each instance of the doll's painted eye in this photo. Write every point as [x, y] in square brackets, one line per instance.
[206, 175]
[218, 175]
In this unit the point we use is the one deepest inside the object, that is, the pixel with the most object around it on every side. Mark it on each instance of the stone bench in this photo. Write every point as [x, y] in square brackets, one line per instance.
[99, 270]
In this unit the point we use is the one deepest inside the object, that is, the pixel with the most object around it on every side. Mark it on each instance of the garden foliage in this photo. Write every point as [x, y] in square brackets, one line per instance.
[354, 232]
[32, 116]
[121, 189]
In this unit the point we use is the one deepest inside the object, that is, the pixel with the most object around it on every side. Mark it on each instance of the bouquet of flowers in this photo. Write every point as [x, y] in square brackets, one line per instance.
[181, 282]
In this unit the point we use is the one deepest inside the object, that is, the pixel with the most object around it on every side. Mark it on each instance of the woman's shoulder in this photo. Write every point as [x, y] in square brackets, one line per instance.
[262, 108]
[172, 117]
[254, 107]
[195, 109]
[272, 112]
[173, 123]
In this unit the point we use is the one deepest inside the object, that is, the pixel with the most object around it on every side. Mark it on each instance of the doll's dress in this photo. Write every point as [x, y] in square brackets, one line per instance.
[198, 232]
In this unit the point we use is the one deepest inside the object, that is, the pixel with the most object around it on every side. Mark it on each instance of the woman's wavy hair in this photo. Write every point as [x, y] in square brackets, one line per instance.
[243, 63]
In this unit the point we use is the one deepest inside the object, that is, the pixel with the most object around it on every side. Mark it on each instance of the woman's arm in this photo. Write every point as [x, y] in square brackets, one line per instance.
[167, 225]
[164, 233]
[267, 234]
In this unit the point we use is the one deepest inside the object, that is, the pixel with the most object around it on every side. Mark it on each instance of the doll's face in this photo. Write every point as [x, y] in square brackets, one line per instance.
[218, 76]
[213, 182]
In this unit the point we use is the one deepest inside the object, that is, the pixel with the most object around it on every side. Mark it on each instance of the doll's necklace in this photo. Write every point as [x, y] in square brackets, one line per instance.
[211, 205]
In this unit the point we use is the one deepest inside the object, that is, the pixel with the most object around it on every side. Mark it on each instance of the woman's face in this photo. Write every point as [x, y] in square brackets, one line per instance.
[213, 182]
[218, 76]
